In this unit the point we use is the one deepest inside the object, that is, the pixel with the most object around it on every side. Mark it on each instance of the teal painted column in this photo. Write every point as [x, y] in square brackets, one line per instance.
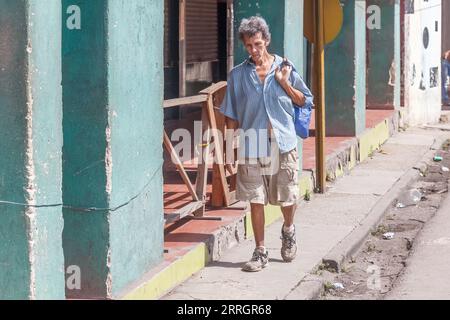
[345, 74]
[31, 222]
[383, 93]
[113, 124]
[285, 20]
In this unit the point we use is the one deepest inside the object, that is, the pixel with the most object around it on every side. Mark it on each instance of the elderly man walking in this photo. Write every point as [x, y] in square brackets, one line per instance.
[261, 96]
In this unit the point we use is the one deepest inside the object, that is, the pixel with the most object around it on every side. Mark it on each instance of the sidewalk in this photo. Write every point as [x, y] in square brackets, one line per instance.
[322, 225]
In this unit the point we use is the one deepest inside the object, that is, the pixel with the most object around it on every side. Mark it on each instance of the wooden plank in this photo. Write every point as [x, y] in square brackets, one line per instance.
[183, 212]
[218, 150]
[179, 166]
[202, 171]
[217, 198]
[184, 101]
[214, 88]
[219, 95]
[232, 173]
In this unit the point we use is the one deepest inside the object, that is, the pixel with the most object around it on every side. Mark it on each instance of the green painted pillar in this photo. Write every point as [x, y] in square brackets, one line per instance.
[112, 155]
[285, 20]
[345, 73]
[31, 222]
[383, 32]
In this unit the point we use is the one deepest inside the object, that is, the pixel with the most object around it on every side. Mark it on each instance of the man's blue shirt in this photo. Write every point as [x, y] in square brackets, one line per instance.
[253, 104]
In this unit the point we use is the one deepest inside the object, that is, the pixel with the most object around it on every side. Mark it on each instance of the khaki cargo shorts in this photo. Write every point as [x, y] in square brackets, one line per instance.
[271, 180]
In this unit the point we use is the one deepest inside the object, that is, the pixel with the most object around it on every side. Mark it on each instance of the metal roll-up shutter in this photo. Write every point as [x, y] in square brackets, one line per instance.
[201, 31]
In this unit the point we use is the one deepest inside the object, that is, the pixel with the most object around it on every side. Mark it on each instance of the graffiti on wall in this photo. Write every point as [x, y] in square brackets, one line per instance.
[422, 62]
[429, 75]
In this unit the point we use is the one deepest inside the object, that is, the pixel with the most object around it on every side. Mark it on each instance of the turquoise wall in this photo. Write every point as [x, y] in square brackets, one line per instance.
[136, 84]
[113, 122]
[381, 53]
[31, 257]
[294, 45]
[345, 74]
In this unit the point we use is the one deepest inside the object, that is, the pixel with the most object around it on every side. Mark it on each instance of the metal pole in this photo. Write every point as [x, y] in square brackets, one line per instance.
[319, 82]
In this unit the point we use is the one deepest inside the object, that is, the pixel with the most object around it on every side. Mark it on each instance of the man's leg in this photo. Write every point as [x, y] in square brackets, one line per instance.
[288, 214]
[286, 190]
[260, 257]
[258, 222]
[251, 188]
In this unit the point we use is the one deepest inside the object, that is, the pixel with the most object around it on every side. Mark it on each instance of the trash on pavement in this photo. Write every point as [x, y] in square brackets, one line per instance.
[388, 236]
[445, 169]
[338, 286]
[409, 198]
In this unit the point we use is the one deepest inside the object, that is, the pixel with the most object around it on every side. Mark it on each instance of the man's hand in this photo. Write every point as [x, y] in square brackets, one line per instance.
[282, 76]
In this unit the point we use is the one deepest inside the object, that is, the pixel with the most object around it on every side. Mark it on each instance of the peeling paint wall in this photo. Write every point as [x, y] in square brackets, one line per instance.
[113, 122]
[31, 257]
[345, 74]
[423, 61]
[382, 63]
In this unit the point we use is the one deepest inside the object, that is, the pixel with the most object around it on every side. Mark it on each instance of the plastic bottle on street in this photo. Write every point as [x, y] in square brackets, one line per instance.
[409, 198]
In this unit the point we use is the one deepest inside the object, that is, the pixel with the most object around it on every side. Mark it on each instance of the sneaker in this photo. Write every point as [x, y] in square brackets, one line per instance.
[258, 261]
[288, 245]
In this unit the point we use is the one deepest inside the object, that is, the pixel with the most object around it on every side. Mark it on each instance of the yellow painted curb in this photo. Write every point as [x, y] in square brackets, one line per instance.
[306, 184]
[373, 139]
[173, 275]
[353, 158]
[339, 171]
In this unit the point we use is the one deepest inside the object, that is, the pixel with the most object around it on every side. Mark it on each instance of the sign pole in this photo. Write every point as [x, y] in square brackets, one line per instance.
[319, 81]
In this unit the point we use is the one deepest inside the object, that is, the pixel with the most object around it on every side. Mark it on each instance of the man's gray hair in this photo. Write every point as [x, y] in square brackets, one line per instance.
[251, 26]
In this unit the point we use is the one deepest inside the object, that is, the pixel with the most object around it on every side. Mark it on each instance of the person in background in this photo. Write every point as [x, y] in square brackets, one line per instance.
[445, 75]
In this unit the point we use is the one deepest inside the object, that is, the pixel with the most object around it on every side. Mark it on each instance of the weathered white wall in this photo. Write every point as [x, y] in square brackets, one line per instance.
[422, 94]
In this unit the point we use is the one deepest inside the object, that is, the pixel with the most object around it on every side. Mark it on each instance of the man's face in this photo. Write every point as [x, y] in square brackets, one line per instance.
[256, 46]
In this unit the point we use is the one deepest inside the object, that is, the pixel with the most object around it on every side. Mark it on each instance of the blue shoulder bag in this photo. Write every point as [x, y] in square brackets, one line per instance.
[302, 120]
[302, 115]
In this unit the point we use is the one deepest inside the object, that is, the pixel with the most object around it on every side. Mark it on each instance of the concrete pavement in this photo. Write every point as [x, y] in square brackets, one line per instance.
[321, 223]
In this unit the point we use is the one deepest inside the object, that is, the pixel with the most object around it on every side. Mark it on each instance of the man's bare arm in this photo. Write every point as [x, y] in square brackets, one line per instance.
[296, 95]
